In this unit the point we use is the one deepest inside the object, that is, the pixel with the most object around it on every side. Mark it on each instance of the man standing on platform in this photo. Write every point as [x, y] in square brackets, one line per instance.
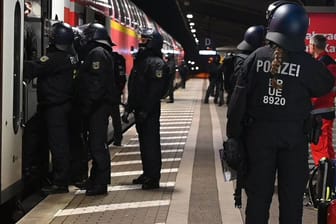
[323, 106]
[146, 88]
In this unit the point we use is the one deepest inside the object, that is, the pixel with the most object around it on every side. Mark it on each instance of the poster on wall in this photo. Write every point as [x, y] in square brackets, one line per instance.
[323, 23]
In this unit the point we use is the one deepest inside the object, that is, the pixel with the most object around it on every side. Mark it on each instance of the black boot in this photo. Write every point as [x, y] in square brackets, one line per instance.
[150, 183]
[96, 190]
[139, 180]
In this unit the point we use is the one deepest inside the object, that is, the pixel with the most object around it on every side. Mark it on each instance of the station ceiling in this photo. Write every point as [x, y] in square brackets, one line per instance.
[222, 21]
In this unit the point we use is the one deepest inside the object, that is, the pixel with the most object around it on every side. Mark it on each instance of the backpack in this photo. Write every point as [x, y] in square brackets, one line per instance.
[231, 67]
[119, 70]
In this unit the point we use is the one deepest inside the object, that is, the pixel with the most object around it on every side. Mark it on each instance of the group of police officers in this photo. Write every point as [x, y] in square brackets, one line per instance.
[268, 109]
[77, 91]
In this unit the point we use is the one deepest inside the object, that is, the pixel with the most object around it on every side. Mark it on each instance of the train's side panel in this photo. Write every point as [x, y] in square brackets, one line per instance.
[11, 99]
[125, 38]
[123, 34]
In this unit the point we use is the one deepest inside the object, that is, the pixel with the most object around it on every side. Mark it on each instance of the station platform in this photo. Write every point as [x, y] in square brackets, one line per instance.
[192, 189]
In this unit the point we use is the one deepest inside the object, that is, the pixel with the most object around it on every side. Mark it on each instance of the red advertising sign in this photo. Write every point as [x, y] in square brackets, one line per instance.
[323, 23]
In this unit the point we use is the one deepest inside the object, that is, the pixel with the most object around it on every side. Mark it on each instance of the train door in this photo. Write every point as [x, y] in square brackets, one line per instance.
[11, 43]
[34, 21]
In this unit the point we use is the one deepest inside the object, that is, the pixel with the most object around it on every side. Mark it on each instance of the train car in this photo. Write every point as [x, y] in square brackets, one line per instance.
[123, 19]
[11, 43]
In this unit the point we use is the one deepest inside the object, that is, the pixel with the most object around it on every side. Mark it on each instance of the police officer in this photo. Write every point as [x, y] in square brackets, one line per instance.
[55, 73]
[214, 78]
[254, 37]
[96, 94]
[120, 78]
[146, 85]
[268, 110]
[172, 68]
[183, 70]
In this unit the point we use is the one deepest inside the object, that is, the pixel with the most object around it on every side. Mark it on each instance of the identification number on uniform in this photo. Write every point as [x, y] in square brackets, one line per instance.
[274, 100]
[274, 96]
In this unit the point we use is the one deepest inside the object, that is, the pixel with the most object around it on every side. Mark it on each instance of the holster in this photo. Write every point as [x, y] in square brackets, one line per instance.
[314, 128]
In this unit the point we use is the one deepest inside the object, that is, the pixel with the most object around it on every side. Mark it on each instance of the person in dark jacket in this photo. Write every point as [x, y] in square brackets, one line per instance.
[184, 71]
[172, 70]
[55, 73]
[268, 112]
[146, 88]
[97, 92]
[120, 78]
[215, 73]
[254, 37]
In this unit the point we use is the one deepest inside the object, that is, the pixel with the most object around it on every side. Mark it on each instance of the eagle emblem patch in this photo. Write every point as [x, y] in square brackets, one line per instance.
[44, 58]
[95, 65]
[158, 73]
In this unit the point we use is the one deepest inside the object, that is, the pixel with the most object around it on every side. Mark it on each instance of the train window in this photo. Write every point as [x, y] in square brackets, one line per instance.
[116, 10]
[121, 12]
[35, 8]
[17, 68]
[128, 18]
[134, 20]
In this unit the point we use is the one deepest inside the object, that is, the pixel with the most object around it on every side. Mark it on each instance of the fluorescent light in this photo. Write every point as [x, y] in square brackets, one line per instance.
[207, 52]
[190, 16]
[193, 30]
[192, 24]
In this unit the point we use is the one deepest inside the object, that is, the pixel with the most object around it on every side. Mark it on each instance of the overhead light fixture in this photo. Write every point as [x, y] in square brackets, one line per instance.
[193, 30]
[192, 24]
[207, 52]
[190, 16]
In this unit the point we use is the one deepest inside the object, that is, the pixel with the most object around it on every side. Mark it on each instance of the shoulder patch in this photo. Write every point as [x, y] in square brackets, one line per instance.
[44, 58]
[95, 65]
[158, 73]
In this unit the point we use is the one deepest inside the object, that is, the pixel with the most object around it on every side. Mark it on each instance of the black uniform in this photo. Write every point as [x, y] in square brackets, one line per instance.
[145, 91]
[54, 92]
[231, 70]
[213, 88]
[171, 65]
[274, 135]
[120, 79]
[183, 70]
[96, 93]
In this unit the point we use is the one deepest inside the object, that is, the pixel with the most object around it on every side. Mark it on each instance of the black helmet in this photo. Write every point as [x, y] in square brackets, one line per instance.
[97, 32]
[287, 26]
[62, 37]
[253, 38]
[155, 40]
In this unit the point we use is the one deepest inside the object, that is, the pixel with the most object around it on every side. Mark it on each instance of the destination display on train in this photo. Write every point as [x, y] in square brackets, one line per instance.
[323, 23]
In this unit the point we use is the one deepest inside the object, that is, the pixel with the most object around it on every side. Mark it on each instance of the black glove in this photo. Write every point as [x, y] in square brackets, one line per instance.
[234, 153]
[124, 117]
